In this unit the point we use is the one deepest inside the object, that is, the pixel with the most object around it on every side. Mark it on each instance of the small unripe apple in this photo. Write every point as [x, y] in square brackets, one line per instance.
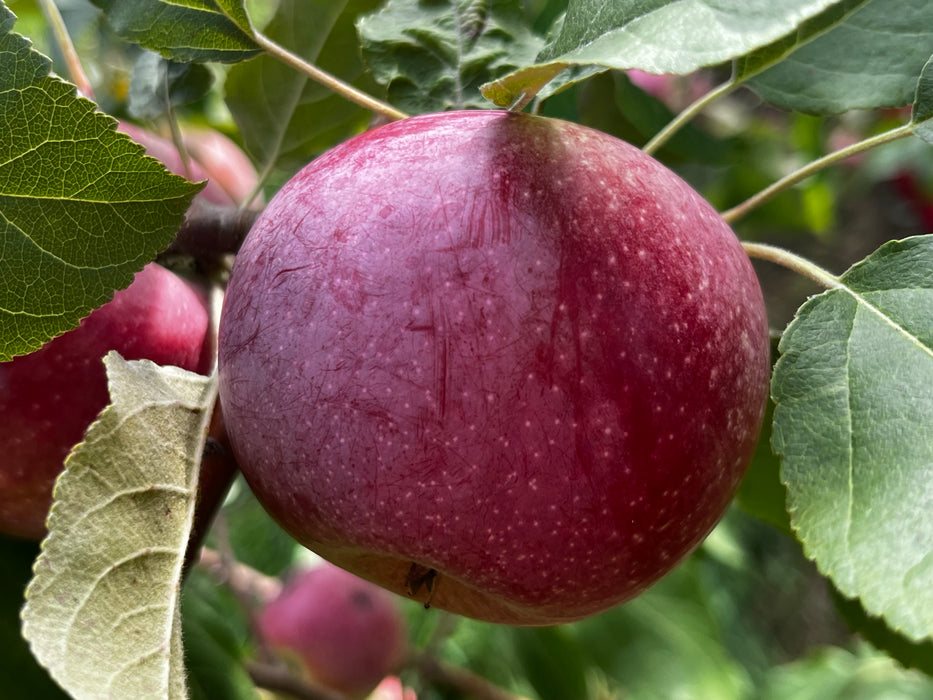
[345, 633]
[49, 397]
[509, 365]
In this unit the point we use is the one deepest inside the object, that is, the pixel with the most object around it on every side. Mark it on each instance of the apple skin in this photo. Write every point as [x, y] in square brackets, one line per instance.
[510, 365]
[52, 395]
[347, 633]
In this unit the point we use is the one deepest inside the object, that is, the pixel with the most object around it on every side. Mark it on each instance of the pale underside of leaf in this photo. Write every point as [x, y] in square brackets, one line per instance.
[854, 427]
[662, 36]
[102, 611]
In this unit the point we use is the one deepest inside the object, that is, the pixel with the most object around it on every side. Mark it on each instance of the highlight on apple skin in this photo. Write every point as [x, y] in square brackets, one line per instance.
[52, 395]
[344, 633]
[508, 365]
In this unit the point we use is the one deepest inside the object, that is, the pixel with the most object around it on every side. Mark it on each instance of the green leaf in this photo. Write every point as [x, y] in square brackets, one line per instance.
[286, 119]
[193, 30]
[22, 676]
[852, 423]
[909, 654]
[214, 647]
[158, 85]
[102, 612]
[81, 208]
[872, 59]
[538, 648]
[762, 494]
[922, 114]
[832, 673]
[433, 55]
[658, 36]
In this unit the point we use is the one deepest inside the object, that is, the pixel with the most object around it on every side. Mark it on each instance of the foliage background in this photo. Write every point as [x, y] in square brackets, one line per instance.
[747, 615]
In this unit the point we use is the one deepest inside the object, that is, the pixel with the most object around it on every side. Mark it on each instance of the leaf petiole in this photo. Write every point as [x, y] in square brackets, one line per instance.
[67, 47]
[737, 212]
[326, 79]
[792, 261]
[678, 122]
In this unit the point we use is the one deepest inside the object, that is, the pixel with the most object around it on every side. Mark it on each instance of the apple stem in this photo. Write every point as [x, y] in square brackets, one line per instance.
[327, 80]
[694, 108]
[786, 182]
[794, 262]
[67, 47]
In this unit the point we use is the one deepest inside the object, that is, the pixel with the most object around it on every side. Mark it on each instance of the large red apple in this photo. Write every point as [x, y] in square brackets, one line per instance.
[346, 633]
[508, 364]
[49, 397]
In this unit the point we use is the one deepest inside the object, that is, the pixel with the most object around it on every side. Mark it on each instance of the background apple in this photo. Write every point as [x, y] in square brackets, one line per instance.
[230, 175]
[507, 364]
[49, 397]
[345, 632]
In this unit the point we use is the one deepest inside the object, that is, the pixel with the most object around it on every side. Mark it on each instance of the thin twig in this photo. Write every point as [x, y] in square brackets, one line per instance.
[737, 212]
[253, 584]
[67, 47]
[461, 679]
[280, 679]
[681, 120]
[327, 80]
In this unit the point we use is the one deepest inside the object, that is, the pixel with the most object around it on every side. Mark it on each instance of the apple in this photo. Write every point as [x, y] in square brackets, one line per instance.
[508, 365]
[230, 175]
[50, 396]
[344, 632]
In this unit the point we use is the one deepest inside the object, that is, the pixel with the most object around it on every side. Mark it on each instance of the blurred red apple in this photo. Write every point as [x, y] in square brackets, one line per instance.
[507, 364]
[346, 633]
[49, 397]
[230, 175]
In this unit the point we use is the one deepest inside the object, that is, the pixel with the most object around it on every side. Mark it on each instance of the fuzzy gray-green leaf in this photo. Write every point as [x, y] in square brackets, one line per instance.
[102, 611]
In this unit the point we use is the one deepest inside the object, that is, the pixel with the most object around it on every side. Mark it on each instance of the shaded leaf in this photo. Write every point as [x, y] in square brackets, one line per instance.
[836, 674]
[214, 647]
[22, 676]
[761, 493]
[854, 409]
[102, 612]
[871, 59]
[195, 30]
[286, 119]
[158, 84]
[81, 208]
[922, 114]
[659, 36]
[909, 654]
[433, 55]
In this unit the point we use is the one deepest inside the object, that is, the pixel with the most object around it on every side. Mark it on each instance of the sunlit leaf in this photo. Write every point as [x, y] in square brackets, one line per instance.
[659, 36]
[102, 612]
[81, 208]
[853, 424]
[194, 30]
